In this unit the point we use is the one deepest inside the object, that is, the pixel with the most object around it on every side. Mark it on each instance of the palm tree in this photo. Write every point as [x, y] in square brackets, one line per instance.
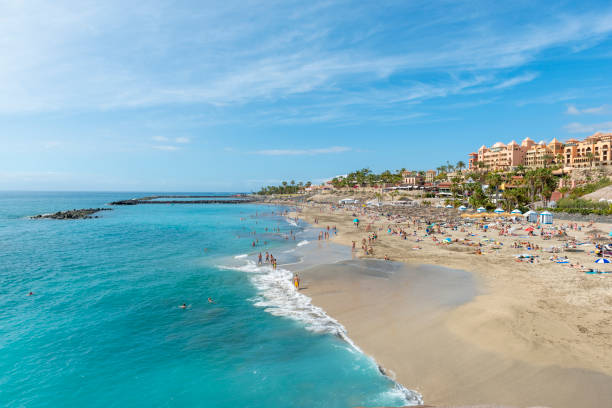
[494, 180]
[460, 165]
[590, 157]
[546, 159]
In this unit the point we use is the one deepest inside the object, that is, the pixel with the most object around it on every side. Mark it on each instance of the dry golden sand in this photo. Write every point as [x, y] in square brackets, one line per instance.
[536, 334]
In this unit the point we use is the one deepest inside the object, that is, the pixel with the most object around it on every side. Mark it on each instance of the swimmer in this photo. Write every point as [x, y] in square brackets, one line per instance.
[30, 294]
[183, 306]
[210, 300]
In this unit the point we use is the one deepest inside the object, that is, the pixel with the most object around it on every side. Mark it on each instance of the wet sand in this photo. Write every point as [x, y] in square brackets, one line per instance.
[401, 315]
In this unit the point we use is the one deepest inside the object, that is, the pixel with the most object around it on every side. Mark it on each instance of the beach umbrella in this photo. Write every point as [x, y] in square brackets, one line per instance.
[481, 210]
[449, 206]
[448, 240]
[462, 208]
[602, 260]
[356, 220]
[498, 210]
[529, 229]
[516, 211]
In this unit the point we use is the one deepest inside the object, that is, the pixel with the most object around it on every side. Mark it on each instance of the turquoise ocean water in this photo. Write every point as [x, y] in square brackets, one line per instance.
[103, 328]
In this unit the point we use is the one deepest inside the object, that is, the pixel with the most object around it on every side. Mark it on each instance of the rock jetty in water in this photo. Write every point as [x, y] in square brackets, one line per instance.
[176, 199]
[85, 213]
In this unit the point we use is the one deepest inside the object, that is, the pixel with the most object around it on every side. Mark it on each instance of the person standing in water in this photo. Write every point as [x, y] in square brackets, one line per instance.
[296, 281]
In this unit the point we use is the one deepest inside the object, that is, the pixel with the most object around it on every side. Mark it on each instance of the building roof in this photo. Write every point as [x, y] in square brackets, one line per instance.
[513, 143]
[483, 147]
[498, 144]
[554, 141]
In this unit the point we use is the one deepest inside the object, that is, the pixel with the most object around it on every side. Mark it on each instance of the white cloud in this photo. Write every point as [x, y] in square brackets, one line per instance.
[521, 79]
[596, 110]
[572, 110]
[168, 148]
[182, 140]
[298, 51]
[576, 127]
[160, 138]
[300, 152]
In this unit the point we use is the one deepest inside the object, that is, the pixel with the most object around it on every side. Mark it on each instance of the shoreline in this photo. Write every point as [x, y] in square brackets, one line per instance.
[480, 325]
[278, 297]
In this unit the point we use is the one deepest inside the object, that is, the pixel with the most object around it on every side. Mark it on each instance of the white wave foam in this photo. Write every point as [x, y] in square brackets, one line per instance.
[291, 221]
[410, 397]
[242, 256]
[278, 296]
[302, 243]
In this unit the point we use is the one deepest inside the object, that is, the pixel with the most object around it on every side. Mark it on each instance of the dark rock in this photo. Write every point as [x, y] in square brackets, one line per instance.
[75, 214]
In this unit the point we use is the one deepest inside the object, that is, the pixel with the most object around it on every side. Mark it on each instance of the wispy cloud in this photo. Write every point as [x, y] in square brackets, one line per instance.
[597, 110]
[576, 127]
[294, 54]
[301, 152]
[170, 144]
[521, 79]
[169, 148]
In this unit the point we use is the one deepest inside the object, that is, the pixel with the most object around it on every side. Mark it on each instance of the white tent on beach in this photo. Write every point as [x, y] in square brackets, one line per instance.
[531, 216]
[348, 201]
[462, 208]
[481, 210]
[546, 217]
[516, 211]
[498, 210]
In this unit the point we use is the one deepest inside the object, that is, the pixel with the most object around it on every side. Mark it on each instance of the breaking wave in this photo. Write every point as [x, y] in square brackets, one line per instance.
[278, 296]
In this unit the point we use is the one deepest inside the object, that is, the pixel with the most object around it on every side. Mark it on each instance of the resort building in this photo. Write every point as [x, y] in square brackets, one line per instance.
[500, 156]
[530, 154]
[593, 151]
[412, 178]
[542, 155]
[430, 176]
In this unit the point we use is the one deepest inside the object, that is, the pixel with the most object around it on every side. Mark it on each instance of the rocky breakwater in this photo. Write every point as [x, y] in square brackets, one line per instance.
[85, 213]
[236, 199]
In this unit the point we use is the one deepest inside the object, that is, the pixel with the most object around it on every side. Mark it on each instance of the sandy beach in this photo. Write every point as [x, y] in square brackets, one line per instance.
[506, 332]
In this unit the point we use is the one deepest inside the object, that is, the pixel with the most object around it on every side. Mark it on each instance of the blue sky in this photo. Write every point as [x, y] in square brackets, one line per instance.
[228, 96]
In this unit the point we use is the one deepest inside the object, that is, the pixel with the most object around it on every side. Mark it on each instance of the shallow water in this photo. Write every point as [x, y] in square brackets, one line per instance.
[103, 327]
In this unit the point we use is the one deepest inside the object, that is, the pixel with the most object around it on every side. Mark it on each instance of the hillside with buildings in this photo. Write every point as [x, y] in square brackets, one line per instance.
[563, 176]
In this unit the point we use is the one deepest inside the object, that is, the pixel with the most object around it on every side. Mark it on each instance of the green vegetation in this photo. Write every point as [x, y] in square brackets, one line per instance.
[582, 206]
[284, 188]
[589, 188]
[365, 177]
[532, 185]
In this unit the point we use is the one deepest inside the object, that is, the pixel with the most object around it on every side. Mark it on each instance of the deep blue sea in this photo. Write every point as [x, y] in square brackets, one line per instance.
[104, 327]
